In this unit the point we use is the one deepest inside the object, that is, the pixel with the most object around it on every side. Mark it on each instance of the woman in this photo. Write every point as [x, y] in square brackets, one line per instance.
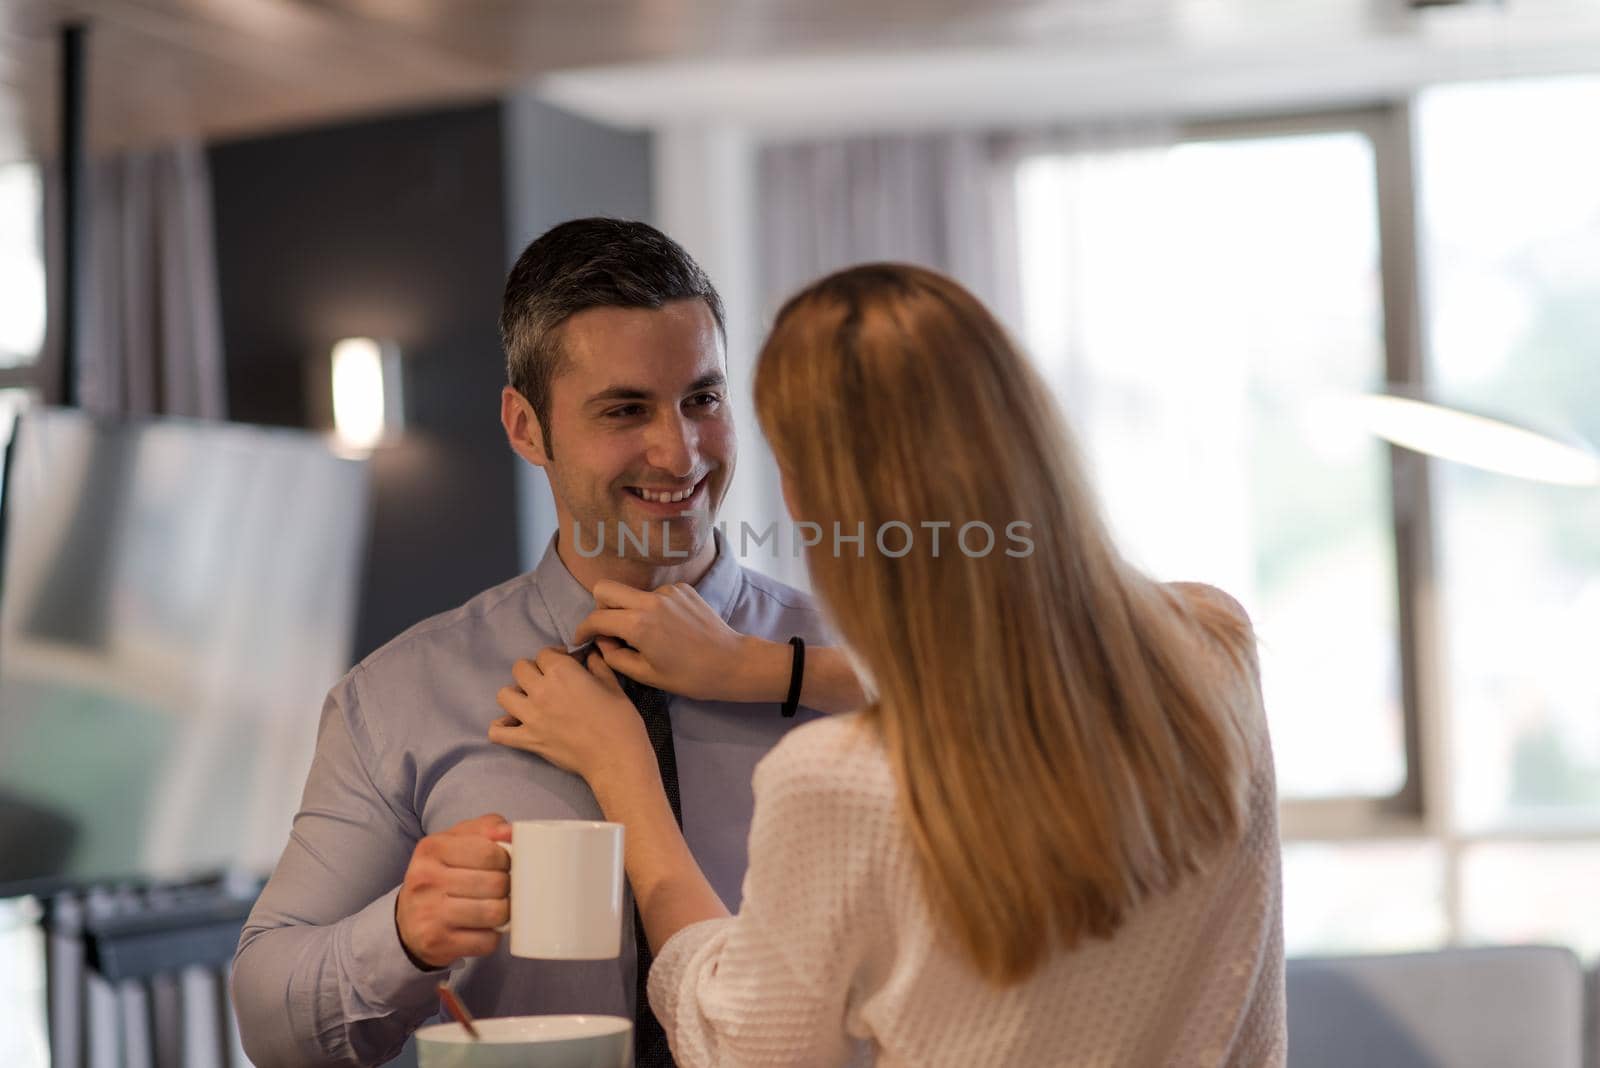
[1050, 835]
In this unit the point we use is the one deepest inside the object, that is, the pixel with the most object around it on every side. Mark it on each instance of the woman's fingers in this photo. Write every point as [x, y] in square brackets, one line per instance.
[610, 594]
[527, 674]
[551, 658]
[601, 670]
[514, 729]
[523, 738]
[629, 662]
[565, 751]
[503, 733]
[610, 622]
[573, 714]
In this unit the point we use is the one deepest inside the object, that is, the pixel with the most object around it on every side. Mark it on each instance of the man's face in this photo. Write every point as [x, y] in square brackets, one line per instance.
[641, 433]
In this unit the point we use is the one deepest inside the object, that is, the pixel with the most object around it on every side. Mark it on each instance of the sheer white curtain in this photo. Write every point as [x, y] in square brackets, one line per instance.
[152, 336]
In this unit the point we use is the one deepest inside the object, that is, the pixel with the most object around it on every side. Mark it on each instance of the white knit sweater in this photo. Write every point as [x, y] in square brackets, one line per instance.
[834, 957]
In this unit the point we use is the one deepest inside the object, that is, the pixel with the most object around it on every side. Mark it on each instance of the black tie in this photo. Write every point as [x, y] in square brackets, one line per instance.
[650, 1041]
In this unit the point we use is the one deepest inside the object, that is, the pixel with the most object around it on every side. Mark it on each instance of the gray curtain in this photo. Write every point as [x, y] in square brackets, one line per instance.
[943, 201]
[152, 333]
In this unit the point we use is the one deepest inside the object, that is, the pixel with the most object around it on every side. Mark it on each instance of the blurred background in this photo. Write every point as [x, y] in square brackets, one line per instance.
[1220, 227]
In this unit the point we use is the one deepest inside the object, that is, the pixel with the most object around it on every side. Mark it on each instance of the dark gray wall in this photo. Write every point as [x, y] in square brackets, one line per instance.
[393, 229]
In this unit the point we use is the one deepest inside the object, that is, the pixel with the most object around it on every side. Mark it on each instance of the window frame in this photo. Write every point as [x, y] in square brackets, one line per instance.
[1422, 810]
[1419, 808]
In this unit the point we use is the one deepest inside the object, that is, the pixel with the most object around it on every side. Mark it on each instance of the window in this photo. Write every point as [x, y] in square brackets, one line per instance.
[22, 299]
[23, 371]
[1376, 896]
[1427, 630]
[1509, 186]
[23, 1032]
[1201, 354]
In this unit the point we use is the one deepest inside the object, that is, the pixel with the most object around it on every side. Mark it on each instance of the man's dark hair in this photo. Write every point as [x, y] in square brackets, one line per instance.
[582, 264]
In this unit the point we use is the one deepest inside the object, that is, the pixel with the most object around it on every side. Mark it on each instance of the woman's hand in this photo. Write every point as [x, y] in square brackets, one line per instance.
[574, 716]
[681, 645]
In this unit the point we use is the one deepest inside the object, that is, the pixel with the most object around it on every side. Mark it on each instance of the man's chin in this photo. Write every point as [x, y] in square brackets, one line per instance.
[658, 540]
[686, 537]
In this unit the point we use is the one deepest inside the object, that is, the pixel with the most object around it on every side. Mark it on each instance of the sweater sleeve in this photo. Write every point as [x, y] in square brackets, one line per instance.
[775, 984]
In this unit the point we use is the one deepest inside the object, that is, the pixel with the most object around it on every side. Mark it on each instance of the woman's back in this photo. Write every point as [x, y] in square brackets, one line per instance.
[1050, 837]
[834, 904]
[1193, 978]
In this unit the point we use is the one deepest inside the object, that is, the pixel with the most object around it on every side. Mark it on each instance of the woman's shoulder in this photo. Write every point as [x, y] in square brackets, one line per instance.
[1211, 603]
[1219, 616]
[839, 756]
[1226, 624]
[845, 745]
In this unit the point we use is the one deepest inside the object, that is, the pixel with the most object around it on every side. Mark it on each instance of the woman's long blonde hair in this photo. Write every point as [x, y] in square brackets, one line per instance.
[1068, 735]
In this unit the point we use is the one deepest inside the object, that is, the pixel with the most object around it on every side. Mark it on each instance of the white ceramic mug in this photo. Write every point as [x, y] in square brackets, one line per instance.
[566, 889]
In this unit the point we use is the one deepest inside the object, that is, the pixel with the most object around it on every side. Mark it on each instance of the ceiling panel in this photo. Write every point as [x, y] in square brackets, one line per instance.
[160, 69]
[215, 68]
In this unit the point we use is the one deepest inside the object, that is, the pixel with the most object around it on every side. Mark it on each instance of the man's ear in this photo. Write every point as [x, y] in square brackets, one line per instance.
[523, 431]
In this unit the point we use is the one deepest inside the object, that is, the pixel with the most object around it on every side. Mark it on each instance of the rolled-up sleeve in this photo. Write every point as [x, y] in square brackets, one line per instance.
[320, 976]
[774, 984]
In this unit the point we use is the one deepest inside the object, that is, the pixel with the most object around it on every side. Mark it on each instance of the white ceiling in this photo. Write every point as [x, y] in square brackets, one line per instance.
[161, 69]
[1208, 58]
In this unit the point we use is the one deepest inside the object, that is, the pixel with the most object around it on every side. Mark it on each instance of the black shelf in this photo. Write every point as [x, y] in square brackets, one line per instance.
[165, 939]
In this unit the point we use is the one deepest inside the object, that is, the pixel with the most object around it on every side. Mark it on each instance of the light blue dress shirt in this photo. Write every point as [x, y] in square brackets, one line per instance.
[320, 976]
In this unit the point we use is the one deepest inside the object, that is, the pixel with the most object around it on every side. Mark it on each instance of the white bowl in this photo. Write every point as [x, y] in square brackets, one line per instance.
[581, 1041]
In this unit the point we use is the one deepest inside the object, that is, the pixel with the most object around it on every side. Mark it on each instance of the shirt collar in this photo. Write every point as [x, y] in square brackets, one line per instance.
[568, 603]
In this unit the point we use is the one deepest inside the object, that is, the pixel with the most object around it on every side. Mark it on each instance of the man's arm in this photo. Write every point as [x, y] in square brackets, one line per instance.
[320, 976]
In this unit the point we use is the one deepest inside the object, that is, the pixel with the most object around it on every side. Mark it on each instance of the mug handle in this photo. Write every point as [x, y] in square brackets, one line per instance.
[505, 928]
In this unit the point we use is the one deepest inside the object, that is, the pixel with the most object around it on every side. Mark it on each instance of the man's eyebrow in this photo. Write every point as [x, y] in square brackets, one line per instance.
[612, 394]
[619, 393]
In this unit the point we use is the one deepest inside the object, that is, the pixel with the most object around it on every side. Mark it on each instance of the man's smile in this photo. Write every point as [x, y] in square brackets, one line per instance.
[670, 499]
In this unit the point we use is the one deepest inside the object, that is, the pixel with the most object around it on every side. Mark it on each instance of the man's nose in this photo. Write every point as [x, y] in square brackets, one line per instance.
[673, 445]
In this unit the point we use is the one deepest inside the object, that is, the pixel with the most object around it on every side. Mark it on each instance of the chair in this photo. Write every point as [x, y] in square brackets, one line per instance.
[1456, 1008]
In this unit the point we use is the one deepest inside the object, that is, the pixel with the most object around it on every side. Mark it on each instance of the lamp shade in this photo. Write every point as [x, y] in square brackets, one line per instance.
[1482, 441]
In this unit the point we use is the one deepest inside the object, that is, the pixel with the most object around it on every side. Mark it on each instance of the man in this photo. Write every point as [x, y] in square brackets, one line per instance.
[391, 881]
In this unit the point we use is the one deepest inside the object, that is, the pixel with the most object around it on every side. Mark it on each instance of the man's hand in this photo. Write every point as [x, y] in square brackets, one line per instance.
[456, 892]
[680, 644]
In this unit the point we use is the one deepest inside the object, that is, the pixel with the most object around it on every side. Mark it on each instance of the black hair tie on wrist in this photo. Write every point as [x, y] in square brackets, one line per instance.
[791, 704]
